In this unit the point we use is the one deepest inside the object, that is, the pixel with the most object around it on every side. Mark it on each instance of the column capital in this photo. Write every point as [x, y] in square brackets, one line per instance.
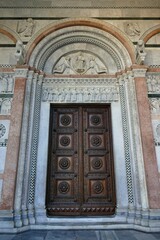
[21, 71]
[139, 70]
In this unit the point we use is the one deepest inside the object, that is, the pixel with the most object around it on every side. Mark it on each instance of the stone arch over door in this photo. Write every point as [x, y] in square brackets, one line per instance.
[106, 43]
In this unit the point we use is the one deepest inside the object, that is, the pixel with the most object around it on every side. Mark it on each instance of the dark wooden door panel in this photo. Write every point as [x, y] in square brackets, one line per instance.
[80, 169]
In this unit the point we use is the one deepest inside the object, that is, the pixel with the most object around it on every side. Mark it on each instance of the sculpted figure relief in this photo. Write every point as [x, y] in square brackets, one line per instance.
[26, 27]
[86, 94]
[5, 106]
[153, 83]
[80, 63]
[132, 28]
[6, 83]
[155, 105]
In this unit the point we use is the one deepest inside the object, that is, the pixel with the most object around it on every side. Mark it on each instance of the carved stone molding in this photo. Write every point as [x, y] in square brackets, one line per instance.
[74, 4]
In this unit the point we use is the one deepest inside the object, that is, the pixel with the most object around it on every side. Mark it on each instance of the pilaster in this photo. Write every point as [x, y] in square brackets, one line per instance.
[14, 139]
[148, 148]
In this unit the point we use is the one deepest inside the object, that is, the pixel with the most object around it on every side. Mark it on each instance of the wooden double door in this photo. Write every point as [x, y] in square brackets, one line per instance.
[80, 163]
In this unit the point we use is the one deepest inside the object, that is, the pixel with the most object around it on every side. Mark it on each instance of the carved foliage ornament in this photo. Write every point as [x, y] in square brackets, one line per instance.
[80, 63]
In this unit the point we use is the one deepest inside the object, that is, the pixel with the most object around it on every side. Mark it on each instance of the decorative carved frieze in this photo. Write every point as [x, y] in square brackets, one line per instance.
[80, 63]
[80, 90]
[74, 94]
[26, 27]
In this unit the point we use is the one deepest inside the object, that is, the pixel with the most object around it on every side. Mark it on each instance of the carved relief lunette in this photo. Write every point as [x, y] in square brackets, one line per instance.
[80, 63]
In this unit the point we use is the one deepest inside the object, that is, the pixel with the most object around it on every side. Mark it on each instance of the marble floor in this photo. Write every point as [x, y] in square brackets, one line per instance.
[81, 235]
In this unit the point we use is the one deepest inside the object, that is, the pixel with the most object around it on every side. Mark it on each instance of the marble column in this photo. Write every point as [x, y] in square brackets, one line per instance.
[14, 139]
[148, 148]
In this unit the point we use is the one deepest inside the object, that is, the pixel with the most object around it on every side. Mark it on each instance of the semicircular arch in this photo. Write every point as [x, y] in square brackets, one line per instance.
[150, 33]
[9, 33]
[93, 32]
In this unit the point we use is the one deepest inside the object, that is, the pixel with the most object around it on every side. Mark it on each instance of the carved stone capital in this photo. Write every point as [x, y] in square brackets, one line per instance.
[139, 71]
[21, 72]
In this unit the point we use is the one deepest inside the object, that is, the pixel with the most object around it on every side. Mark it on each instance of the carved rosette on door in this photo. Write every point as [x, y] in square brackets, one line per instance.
[80, 166]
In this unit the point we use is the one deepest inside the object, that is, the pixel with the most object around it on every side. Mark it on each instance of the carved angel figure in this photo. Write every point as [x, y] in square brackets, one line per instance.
[25, 27]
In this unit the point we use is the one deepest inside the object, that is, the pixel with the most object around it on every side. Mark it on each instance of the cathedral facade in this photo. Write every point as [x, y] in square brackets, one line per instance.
[79, 115]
